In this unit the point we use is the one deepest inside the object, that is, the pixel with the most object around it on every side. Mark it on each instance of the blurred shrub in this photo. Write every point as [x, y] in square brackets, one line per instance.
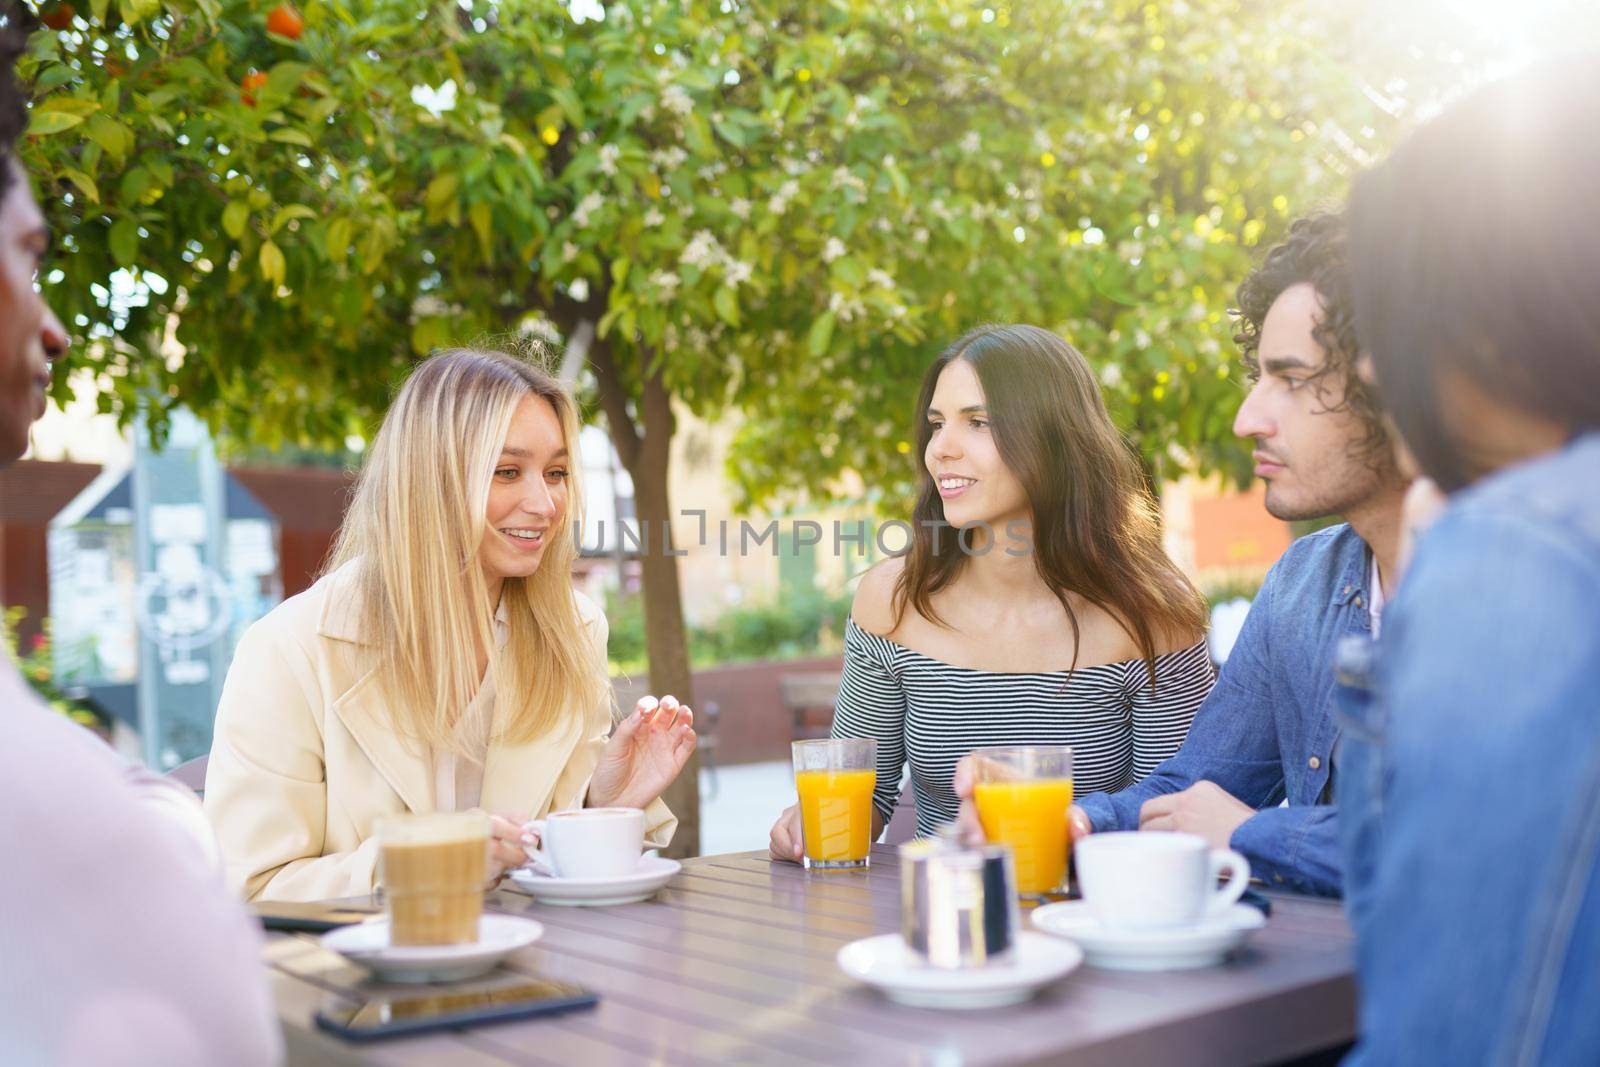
[35, 665]
[801, 624]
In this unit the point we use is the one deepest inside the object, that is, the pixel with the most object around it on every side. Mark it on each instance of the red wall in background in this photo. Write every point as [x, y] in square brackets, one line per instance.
[31, 493]
[309, 504]
[1236, 531]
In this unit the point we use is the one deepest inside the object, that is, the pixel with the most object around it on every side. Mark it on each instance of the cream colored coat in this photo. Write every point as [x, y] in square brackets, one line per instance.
[304, 762]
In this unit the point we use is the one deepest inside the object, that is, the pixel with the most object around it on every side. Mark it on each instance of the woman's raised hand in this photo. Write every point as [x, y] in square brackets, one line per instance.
[645, 754]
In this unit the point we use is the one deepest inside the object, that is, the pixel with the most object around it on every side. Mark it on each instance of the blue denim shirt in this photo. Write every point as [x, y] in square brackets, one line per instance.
[1266, 732]
[1469, 782]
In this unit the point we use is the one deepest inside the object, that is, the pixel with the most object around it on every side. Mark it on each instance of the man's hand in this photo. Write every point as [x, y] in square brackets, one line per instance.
[970, 826]
[1205, 808]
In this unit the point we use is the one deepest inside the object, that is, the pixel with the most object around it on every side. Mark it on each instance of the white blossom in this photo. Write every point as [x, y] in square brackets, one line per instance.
[738, 272]
[664, 280]
[676, 100]
[971, 142]
[702, 250]
[653, 218]
[845, 308]
[833, 250]
[586, 207]
[609, 154]
[920, 235]
[669, 158]
[740, 207]
[569, 251]
[780, 200]
[880, 278]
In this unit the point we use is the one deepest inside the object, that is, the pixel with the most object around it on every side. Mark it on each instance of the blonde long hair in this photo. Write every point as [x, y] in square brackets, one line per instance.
[415, 528]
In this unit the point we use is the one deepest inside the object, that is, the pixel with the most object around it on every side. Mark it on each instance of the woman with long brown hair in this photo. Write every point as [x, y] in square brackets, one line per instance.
[1035, 603]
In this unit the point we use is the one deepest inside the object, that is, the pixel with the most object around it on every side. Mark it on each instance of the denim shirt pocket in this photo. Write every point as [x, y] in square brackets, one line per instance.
[1360, 767]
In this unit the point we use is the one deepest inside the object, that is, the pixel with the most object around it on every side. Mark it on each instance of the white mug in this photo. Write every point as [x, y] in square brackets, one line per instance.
[588, 843]
[1151, 879]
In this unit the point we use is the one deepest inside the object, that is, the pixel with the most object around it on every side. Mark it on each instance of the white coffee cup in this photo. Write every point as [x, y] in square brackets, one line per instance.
[588, 843]
[1150, 880]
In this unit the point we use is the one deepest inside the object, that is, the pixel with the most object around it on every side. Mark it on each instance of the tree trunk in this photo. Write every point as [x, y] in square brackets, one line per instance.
[646, 455]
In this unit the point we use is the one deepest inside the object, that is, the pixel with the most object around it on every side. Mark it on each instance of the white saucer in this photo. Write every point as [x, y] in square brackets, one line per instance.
[653, 873]
[1181, 949]
[367, 944]
[886, 964]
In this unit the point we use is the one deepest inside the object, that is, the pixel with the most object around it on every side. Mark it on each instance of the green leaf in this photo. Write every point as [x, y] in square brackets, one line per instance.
[48, 122]
[821, 334]
[482, 219]
[234, 218]
[124, 242]
[135, 183]
[727, 305]
[570, 104]
[290, 135]
[272, 263]
[111, 135]
[336, 239]
[84, 183]
[288, 212]
[442, 191]
[68, 105]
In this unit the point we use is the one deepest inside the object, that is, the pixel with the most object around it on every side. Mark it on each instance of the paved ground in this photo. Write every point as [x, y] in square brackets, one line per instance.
[736, 815]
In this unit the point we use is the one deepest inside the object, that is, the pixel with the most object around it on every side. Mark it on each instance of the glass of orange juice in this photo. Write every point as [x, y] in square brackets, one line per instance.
[1023, 795]
[835, 778]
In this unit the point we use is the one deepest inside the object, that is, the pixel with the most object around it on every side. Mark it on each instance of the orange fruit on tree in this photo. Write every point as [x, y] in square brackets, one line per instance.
[285, 21]
[59, 17]
[247, 88]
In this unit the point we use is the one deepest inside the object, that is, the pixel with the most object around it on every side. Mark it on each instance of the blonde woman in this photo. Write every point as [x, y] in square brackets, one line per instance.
[444, 661]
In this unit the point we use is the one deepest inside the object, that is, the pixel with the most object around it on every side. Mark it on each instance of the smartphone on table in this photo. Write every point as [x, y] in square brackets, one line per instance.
[313, 917]
[392, 1014]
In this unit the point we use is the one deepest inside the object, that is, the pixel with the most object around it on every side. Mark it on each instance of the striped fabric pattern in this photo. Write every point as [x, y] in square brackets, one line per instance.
[929, 714]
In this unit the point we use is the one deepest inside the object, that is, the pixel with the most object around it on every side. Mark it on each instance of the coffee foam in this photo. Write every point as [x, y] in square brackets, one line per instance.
[444, 829]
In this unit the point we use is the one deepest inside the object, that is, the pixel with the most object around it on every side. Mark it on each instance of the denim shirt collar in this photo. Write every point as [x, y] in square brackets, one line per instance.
[1352, 584]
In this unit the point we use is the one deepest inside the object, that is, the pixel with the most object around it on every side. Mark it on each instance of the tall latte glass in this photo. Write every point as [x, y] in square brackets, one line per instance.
[433, 868]
[1023, 796]
[835, 779]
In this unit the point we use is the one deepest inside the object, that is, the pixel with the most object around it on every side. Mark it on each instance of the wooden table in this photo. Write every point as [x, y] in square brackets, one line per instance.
[733, 963]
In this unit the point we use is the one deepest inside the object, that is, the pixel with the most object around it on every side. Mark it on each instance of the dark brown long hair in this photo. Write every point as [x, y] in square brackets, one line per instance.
[1474, 250]
[1096, 528]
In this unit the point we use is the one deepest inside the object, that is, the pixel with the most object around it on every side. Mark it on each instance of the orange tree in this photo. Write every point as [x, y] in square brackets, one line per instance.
[769, 207]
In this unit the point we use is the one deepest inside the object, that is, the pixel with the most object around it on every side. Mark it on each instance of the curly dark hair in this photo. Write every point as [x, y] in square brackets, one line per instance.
[1315, 252]
[16, 22]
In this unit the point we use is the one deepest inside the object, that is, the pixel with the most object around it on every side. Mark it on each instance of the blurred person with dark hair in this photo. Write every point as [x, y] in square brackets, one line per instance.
[121, 944]
[1471, 767]
[1266, 734]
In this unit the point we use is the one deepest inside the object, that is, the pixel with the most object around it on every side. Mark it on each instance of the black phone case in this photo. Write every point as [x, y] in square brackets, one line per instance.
[490, 1014]
[309, 923]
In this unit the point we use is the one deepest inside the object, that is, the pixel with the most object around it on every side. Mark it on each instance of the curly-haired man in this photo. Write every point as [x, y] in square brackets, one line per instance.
[121, 943]
[1266, 733]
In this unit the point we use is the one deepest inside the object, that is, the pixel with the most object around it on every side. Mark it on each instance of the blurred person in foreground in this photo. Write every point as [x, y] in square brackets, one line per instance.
[1470, 773]
[444, 662]
[120, 943]
[1266, 733]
